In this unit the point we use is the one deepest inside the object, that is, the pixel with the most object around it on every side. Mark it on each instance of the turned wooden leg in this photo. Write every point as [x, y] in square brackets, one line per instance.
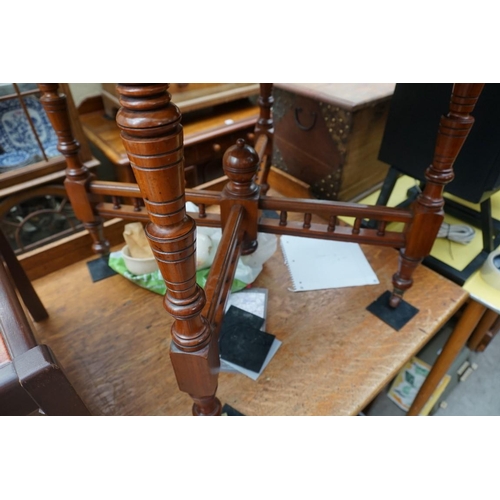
[152, 136]
[265, 126]
[463, 329]
[428, 211]
[78, 176]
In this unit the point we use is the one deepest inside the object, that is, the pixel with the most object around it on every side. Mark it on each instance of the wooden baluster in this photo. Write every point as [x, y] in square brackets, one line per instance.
[202, 213]
[283, 217]
[137, 202]
[307, 221]
[116, 202]
[381, 227]
[78, 176]
[153, 139]
[332, 223]
[240, 163]
[357, 226]
[265, 126]
[428, 208]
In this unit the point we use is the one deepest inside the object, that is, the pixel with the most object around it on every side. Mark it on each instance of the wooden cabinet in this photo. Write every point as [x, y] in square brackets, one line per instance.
[189, 96]
[328, 135]
[219, 114]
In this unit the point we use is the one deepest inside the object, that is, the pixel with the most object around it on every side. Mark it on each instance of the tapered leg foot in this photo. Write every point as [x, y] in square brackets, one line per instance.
[396, 297]
[207, 407]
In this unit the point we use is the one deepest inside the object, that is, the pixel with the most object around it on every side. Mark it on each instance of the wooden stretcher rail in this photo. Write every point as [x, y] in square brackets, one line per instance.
[110, 188]
[124, 189]
[209, 220]
[108, 210]
[342, 209]
[223, 269]
[129, 212]
[341, 233]
[203, 197]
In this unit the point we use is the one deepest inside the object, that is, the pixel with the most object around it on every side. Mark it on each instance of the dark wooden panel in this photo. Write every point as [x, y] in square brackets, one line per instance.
[332, 147]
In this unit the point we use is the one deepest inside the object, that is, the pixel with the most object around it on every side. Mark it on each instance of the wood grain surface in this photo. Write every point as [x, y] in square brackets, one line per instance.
[113, 339]
[351, 96]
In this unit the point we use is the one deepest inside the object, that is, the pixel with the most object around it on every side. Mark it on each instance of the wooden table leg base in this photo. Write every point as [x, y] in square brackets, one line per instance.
[485, 331]
[466, 324]
[207, 407]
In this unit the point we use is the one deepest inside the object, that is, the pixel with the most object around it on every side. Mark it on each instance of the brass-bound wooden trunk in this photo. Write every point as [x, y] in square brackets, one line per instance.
[328, 135]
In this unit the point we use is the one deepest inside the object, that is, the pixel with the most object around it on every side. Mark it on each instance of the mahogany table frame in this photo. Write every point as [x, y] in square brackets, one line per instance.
[152, 135]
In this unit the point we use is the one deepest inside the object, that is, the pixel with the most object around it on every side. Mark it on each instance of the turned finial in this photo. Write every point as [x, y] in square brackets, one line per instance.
[240, 164]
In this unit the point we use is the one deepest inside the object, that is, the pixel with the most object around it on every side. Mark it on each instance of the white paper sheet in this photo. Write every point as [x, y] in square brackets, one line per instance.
[316, 264]
[252, 300]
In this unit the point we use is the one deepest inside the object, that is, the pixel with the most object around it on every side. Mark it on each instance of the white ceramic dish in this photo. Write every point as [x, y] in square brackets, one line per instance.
[490, 272]
[138, 266]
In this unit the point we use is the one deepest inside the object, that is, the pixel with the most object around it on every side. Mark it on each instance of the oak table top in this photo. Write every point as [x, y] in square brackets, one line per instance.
[112, 338]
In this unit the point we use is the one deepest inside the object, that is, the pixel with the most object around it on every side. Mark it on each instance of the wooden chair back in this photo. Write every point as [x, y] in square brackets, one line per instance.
[30, 377]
